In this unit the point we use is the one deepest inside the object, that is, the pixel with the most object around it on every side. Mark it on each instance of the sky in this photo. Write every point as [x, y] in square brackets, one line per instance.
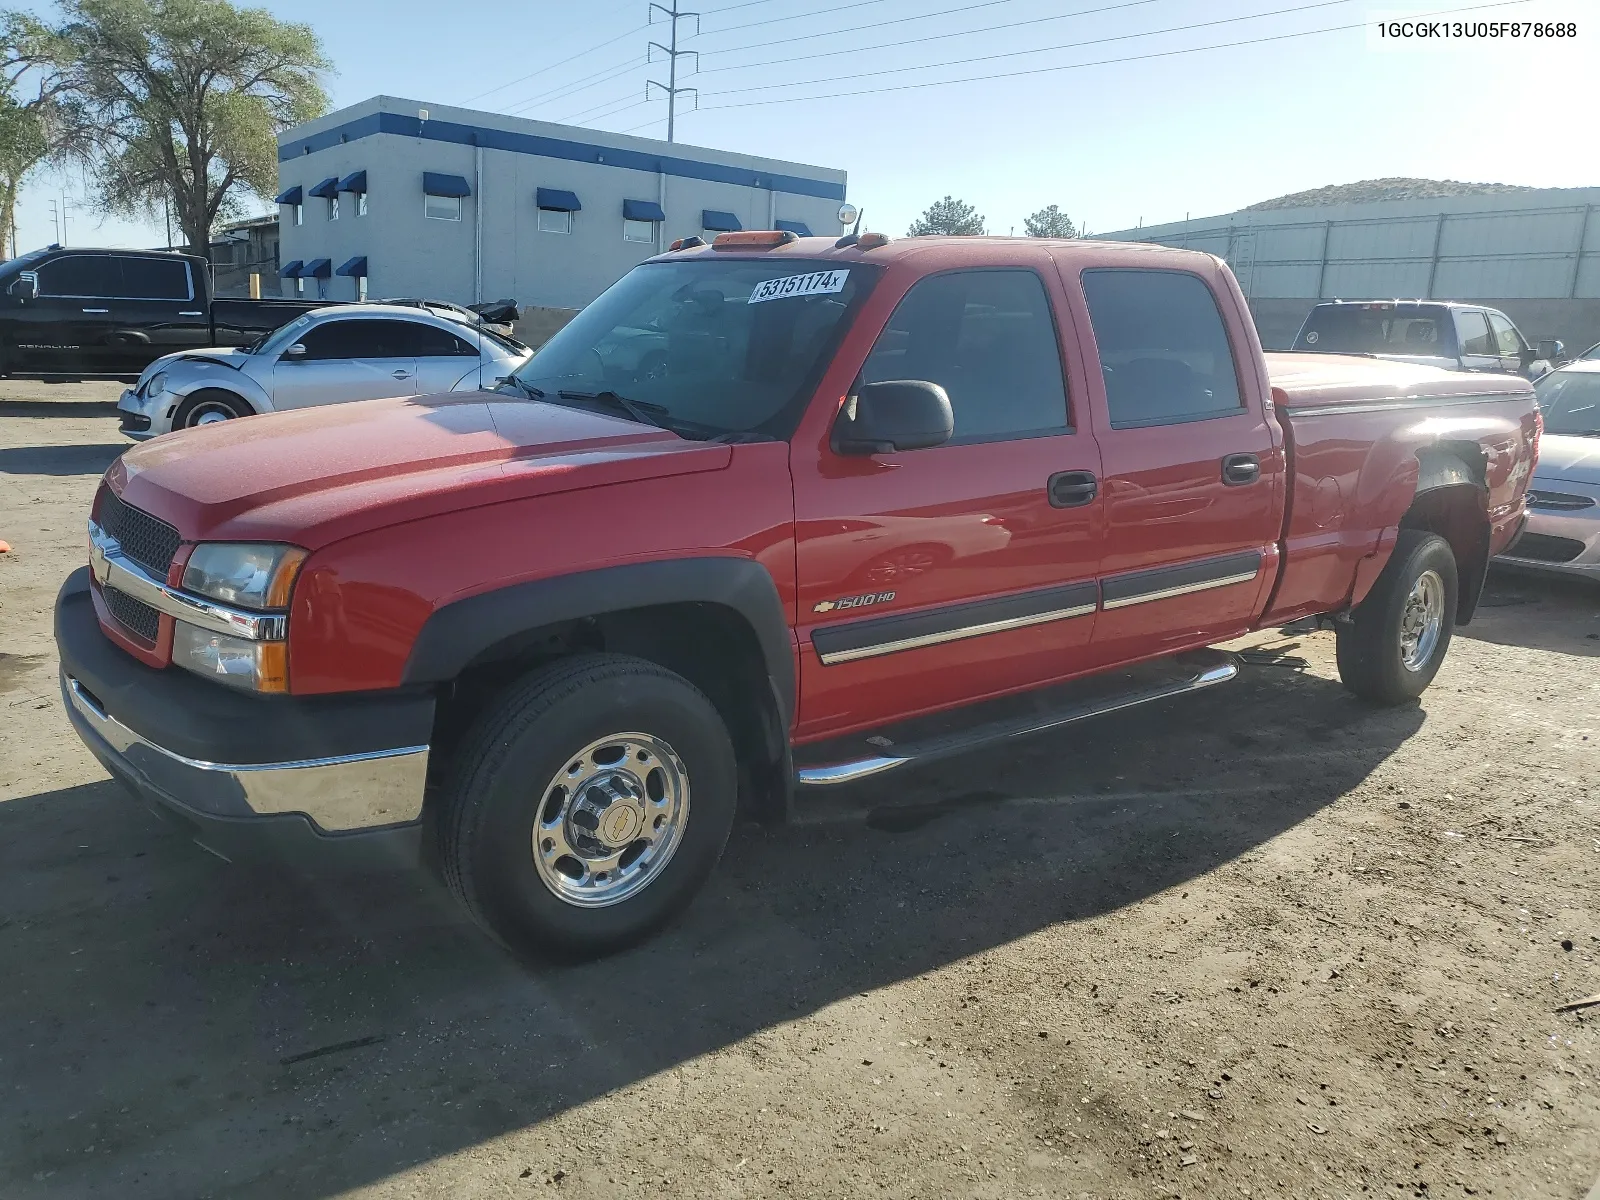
[1119, 112]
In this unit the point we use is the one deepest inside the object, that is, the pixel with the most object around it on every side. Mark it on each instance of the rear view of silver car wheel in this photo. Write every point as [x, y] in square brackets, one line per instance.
[207, 407]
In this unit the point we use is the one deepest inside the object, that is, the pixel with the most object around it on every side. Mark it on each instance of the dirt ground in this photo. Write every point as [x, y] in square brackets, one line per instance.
[1267, 942]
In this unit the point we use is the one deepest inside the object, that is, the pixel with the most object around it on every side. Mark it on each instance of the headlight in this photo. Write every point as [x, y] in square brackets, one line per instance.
[157, 385]
[238, 662]
[248, 574]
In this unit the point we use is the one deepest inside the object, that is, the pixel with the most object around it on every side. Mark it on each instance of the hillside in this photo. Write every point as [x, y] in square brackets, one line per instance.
[1366, 191]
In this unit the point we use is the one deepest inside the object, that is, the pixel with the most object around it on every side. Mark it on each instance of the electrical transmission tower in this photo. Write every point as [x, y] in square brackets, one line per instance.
[671, 88]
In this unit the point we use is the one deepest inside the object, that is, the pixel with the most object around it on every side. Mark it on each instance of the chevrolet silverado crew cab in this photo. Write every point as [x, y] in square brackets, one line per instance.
[772, 514]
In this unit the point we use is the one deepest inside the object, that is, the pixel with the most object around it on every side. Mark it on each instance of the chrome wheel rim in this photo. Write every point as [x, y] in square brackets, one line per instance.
[1422, 621]
[609, 821]
[209, 414]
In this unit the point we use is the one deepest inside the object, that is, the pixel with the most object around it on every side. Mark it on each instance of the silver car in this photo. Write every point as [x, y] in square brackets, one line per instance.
[1563, 532]
[327, 356]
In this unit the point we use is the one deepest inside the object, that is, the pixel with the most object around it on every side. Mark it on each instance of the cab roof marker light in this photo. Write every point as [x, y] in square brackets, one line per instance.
[871, 241]
[753, 237]
[687, 243]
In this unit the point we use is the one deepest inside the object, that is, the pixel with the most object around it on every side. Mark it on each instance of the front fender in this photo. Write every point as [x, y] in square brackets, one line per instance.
[458, 633]
[186, 378]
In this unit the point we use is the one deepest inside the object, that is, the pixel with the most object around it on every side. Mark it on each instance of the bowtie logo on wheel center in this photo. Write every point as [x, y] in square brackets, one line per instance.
[620, 824]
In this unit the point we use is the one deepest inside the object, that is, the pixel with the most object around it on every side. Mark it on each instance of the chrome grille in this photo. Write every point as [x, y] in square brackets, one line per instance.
[1559, 501]
[135, 616]
[148, 540]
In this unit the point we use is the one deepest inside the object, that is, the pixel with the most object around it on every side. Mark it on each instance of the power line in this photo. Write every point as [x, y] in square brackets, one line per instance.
[932, 37]
[576, 86]
[961, 62]
[904, 87]
[671, 88]
[822, 12]
[569, 59]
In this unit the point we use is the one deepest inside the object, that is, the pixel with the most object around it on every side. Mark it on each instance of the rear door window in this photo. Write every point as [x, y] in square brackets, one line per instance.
[1473, 329]
[154, 279]
[1163, 348]
[88, 275]
[989, 339]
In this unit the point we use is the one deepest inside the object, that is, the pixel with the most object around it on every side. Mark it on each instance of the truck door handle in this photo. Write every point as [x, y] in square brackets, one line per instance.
[1240, 469]
[402, 374]
[1072, 489]
[97, 310]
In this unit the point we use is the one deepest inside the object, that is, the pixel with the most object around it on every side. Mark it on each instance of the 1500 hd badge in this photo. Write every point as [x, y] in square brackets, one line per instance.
[854, 601]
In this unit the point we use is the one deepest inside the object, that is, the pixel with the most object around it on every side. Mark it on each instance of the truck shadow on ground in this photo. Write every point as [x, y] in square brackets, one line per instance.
[59, 460]
[174, 1025]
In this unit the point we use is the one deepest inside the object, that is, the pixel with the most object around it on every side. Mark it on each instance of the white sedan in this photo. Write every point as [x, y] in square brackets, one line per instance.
[327, 356]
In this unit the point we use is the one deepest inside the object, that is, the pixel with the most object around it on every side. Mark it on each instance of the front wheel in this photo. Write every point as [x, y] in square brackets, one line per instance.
[207, 407]
[588, 806]
[1396, 639]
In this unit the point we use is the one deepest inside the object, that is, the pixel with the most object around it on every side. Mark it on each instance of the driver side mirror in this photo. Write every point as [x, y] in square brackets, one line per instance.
[1551, 349]
[26, 286]
[295, 353]
[897, 414]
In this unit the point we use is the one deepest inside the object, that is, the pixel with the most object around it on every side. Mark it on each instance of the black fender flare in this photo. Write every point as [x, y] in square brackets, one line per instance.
[458, 633]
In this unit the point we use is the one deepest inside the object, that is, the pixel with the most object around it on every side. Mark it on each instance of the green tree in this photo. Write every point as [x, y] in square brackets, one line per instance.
[1050, 222]
[39, 118]
[948, 216]
[181, 101]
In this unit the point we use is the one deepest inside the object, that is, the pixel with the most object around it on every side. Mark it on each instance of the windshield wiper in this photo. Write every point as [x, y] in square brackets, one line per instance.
[527, 389]
[637, 409]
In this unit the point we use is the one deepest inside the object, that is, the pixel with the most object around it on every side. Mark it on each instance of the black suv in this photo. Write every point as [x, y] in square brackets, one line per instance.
[1437, 333]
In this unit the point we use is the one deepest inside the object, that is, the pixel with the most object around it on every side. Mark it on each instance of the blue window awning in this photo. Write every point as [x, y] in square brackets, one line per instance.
[719, 222]
[799, 228]
[355, 267]
[557, 199]
[642, 210]
[317, 268]
[356, 181]
[327, 189]
[436, 184]
[290, 269]
[289, 195]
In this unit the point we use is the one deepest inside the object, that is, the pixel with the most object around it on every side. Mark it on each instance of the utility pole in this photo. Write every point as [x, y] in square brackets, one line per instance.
[65, 205]
[55, 220]
[672, 52]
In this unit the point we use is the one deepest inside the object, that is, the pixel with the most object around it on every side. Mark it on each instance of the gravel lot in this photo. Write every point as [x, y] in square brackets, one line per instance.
[1266, 943]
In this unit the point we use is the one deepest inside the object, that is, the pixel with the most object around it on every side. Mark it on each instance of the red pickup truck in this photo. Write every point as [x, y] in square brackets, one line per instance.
[771, 514]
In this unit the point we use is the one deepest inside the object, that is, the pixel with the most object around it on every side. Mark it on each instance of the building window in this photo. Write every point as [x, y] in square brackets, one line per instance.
[639, 231]
[442, 208]
[299, 214]
[361, 204]
[333, 207]
[555, 220]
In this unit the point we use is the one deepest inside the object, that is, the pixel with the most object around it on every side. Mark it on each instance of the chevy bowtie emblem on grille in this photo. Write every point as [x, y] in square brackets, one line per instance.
[854, 601]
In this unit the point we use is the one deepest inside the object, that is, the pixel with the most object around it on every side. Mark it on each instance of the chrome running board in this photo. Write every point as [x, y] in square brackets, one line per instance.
[1143, 684]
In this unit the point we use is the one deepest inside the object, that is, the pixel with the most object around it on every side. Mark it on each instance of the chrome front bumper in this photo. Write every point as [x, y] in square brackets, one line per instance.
[344, 794]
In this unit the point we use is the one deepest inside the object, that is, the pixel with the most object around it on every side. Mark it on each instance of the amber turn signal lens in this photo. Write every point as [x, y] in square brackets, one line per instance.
[272, 667]
[752, 237]
[283, 578]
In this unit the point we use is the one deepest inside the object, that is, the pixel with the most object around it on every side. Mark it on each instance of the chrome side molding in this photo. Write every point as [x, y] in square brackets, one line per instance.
[1192, 673]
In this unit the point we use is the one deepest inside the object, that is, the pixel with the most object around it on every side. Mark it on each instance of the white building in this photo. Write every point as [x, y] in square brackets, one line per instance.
[398, 197]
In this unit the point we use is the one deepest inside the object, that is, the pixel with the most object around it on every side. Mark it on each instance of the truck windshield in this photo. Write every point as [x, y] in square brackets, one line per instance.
[710, 347]
[1570, 402]
[1378, 329]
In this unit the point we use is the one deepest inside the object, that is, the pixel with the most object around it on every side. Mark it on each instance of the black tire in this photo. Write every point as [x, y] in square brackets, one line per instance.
[208, 401]
[496, 796]
[1372, 659]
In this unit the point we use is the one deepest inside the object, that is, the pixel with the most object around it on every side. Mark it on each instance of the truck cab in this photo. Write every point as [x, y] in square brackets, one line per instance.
[1453, 336]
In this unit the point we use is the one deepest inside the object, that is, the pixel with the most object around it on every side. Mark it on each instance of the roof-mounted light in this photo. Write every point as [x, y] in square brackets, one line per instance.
[763, 238]
[687, 243]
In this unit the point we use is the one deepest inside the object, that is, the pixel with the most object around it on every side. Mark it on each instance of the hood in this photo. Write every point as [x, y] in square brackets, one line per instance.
[228, 356]
[315, 475]
[1573, 459]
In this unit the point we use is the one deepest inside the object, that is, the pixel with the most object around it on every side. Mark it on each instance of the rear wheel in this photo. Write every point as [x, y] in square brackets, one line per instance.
[207, 407]
[588, 806]
[1396, 638]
